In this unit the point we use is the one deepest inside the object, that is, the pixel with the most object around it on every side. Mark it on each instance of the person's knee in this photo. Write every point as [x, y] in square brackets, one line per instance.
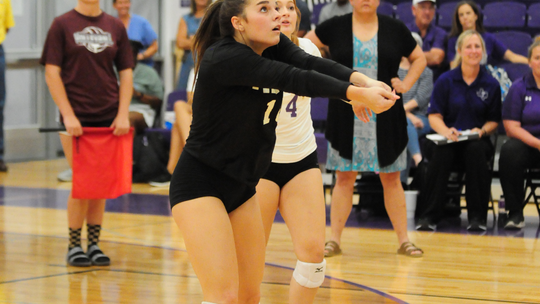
[309, 275]
[390, 179]
[311, 250]
[513, 151]
[227, 297]
[346, 179]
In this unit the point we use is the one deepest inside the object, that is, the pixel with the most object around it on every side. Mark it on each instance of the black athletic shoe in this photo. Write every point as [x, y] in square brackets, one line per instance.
[515, 221]
[425, 225]
[477, 225]
[3, 167]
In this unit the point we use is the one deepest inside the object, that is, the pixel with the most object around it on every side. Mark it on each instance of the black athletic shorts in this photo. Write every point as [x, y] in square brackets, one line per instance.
[96, 124]
[281, 174]
[192, 179]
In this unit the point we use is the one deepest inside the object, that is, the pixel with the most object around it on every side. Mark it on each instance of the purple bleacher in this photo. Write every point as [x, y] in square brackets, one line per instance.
[534, 16]
[505, 14]
[319, 112]
[403, 12]
[173, 97]
[445, 12]
[517, 41]
[515, 70]
[386, 8]
[322, 147]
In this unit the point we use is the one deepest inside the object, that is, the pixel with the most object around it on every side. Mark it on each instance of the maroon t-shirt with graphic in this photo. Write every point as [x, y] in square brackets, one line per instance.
[86, 48]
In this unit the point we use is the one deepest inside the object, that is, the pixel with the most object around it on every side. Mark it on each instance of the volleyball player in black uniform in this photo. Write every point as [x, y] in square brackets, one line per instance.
[245, 64]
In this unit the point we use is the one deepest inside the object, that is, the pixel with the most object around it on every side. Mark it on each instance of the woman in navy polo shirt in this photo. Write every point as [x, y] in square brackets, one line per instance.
[521, 118]
[465, 98]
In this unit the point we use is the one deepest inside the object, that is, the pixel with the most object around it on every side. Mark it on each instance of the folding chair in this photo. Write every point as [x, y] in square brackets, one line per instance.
[532, 182]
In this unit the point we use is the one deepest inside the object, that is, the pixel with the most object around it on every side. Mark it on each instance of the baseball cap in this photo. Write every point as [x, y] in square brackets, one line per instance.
[415, 2]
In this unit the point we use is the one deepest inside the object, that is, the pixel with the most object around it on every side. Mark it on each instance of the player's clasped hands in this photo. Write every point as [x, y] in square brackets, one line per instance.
[376, 96]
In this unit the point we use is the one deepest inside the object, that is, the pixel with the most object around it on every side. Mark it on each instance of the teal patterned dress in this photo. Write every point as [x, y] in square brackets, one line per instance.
[365, 134]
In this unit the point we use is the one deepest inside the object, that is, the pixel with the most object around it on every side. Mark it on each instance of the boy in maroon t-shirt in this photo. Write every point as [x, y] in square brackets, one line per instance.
[81, 49]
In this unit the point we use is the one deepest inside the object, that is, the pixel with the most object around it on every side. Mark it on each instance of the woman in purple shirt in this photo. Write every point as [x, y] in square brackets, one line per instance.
[521, 119]
[465, 98]
[467, 16]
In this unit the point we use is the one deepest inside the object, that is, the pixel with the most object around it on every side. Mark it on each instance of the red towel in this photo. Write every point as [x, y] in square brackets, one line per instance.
[102, 164]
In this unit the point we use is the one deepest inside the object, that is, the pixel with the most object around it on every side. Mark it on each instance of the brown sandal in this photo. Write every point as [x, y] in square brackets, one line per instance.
[407, 249]
[331, 249]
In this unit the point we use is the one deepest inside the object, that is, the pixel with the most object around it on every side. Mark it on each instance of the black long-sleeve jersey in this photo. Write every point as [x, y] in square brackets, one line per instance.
[238, 96]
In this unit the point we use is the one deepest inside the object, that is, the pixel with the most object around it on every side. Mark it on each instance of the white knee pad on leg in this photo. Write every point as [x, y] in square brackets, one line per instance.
[310, 275]
[207, 303]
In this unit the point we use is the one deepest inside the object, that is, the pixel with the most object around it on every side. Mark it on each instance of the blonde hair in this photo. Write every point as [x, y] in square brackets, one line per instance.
[459, 44]
[294, 34]
[535, 43]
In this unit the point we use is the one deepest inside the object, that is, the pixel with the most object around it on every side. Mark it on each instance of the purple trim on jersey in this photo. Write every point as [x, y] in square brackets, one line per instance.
[523, 104]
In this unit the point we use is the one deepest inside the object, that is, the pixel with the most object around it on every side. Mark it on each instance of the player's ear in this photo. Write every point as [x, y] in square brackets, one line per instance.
[237, 23]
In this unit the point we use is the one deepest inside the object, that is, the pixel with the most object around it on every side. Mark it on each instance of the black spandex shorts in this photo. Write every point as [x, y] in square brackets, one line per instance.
[281, 174]
[192, 179]
[96, 124]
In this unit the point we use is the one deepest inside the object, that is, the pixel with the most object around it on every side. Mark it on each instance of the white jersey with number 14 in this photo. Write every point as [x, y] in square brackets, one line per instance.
[294, 132]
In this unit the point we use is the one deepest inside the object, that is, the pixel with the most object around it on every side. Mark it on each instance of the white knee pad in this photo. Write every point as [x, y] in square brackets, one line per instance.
[310, 275]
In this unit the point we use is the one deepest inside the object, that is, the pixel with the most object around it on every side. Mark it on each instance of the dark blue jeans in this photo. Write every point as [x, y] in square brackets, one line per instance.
[2, 98]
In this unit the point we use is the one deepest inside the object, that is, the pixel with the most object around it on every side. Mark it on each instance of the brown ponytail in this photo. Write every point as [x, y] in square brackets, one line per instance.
[215, 25]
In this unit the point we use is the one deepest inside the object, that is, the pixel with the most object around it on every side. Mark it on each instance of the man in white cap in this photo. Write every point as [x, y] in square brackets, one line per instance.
[433, 36]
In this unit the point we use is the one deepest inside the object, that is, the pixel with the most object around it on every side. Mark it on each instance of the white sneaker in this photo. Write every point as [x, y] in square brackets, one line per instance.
[161, 181]
[65, 176]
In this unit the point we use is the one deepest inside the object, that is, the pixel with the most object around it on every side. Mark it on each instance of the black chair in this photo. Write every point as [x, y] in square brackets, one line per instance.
[532, 182]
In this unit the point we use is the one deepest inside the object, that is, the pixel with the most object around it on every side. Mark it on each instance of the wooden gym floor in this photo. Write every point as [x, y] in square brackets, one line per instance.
[150, 264]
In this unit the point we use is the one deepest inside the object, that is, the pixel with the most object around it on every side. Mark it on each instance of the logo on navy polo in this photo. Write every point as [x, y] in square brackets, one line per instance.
[482, 94]
[94, 39]
[528, 98]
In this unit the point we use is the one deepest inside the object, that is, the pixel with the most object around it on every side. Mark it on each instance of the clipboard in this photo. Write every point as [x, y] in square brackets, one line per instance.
[441, 140]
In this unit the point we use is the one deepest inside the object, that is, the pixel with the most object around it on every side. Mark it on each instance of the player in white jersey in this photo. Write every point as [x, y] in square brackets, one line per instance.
[293, 182]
